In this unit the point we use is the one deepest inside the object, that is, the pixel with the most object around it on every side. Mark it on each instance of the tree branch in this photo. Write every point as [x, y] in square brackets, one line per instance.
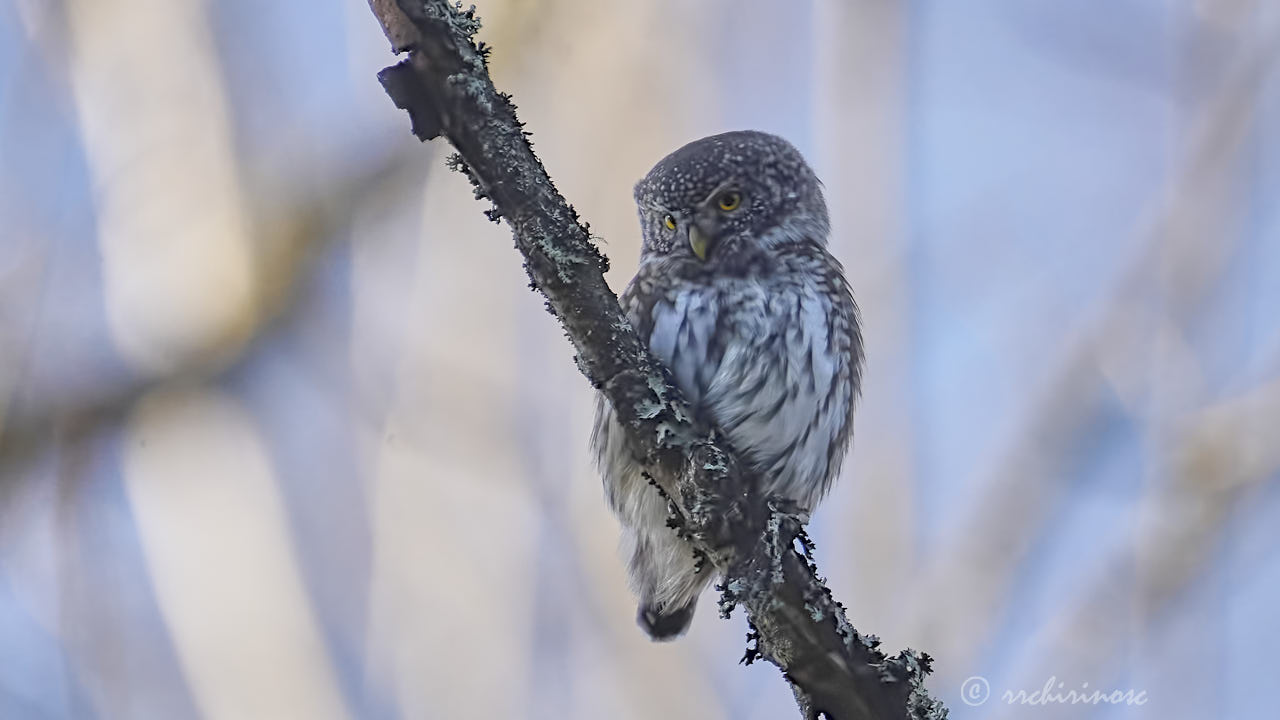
[751, 540]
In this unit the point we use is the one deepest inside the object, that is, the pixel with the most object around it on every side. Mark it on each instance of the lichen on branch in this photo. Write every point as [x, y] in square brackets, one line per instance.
[796, 624]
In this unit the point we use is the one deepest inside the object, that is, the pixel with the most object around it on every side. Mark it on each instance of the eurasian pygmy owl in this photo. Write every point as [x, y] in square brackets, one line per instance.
[737, 294]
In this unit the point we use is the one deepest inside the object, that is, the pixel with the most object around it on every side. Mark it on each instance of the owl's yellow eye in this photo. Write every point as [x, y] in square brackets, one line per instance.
[730, 201]
[670, 222]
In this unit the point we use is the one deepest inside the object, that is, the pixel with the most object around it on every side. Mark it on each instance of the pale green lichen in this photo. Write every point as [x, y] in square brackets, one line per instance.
[815, 613]
[464, 22]
[477, 88]
[717, 466]
[648, 409]
[560, 258]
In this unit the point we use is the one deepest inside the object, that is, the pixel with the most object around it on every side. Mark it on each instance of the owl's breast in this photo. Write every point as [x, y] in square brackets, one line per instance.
[760, 361]
[685, 338]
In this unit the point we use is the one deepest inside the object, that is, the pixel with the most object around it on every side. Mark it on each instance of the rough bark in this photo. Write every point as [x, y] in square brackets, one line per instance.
[751, 540]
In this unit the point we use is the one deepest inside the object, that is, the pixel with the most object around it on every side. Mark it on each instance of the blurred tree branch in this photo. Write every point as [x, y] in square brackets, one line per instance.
[1172, 262]
[291, 233]
[796, 623]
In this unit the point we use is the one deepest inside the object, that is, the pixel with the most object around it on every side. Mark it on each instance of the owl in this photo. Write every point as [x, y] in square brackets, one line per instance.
[737, 294]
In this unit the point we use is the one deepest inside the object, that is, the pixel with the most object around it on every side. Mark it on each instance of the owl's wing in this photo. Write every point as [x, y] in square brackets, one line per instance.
[624, 484]
[637, 302]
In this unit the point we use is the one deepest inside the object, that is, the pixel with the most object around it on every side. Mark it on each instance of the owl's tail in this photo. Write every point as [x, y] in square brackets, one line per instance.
[662, 625]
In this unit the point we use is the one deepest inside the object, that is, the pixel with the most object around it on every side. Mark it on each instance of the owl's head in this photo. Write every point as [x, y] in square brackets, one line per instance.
[726, 200]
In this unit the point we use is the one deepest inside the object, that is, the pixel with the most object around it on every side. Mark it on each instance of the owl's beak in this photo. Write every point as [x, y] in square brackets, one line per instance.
[699, 242]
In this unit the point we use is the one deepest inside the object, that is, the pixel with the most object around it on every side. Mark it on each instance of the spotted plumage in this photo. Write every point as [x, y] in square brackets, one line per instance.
[737, 294]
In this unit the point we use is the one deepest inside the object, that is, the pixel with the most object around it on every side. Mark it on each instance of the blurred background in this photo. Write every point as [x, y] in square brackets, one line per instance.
[286, 436]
